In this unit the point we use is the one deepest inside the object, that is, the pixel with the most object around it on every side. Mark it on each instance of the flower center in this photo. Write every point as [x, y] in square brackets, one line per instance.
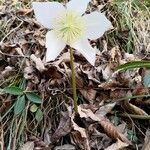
[69, 26]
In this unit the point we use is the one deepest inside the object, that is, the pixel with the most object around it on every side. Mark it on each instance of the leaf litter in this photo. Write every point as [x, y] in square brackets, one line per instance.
[102, 92]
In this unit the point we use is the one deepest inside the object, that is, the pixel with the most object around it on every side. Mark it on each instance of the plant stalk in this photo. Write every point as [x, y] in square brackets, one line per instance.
[74, 88]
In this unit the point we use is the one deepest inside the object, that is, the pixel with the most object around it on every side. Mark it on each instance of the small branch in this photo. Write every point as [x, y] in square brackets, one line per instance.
[5, 54]
[142, 117]
[74, 89]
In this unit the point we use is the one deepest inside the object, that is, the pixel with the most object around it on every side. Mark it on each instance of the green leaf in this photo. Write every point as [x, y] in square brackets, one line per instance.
[146, 79]
[19, 105]
[39, 115]
[134, 64]
[33, 108]
[33, 97]
[13, 90]
[22, 84]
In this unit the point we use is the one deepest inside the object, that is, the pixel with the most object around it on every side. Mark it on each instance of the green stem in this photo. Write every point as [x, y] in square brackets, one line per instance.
[74, 89]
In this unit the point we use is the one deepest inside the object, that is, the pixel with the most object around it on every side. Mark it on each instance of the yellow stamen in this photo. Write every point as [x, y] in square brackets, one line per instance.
[69, 26]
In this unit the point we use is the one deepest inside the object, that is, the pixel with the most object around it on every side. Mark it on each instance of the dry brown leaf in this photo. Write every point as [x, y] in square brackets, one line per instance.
[88, 94]
[38, 62]
[146, 145]
[87, 113]
[63, 129]
[108, 127]
[117, 146]
[98, 140]
[104, 110]
[27, 146]
[133, 109]
[112, 131]
[82, 137]
[91, 74]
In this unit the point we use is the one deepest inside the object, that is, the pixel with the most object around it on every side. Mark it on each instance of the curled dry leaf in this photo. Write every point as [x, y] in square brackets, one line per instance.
[117, 146]
[91, 74]
[133, 109]
[81, 135]
[63, 129]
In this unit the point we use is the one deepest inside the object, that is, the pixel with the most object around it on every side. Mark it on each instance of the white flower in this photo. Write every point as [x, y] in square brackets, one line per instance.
[70, 27]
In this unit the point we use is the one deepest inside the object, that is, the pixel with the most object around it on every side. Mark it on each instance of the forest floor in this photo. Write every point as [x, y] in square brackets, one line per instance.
[36, 106]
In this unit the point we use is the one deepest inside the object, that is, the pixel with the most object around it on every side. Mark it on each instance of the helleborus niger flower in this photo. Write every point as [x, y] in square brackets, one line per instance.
[70, 26]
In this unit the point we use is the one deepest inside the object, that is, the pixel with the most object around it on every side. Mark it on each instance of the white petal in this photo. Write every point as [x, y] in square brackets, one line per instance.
[78, 5]
[97, 24]
[54, 46]
[84, 47]
[45, 12]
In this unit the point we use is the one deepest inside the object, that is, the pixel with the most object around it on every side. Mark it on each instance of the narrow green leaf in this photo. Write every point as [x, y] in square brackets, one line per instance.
[146, 79]
[33, 97]
[19, 105]
[134, 64]
[39, 115]
[13, 90]
[33, 108]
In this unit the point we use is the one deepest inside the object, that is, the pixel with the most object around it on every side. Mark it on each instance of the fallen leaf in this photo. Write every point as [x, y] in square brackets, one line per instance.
[104, 110]
[83, 134]
[108, 127]
[112, 131]
[27, 146]
[117, 146]
[88, 94]
[63, 129]
[38, 62]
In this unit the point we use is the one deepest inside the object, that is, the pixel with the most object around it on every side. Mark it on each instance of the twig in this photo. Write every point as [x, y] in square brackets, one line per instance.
[13, 30]
[13, 55]
[143, 117]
